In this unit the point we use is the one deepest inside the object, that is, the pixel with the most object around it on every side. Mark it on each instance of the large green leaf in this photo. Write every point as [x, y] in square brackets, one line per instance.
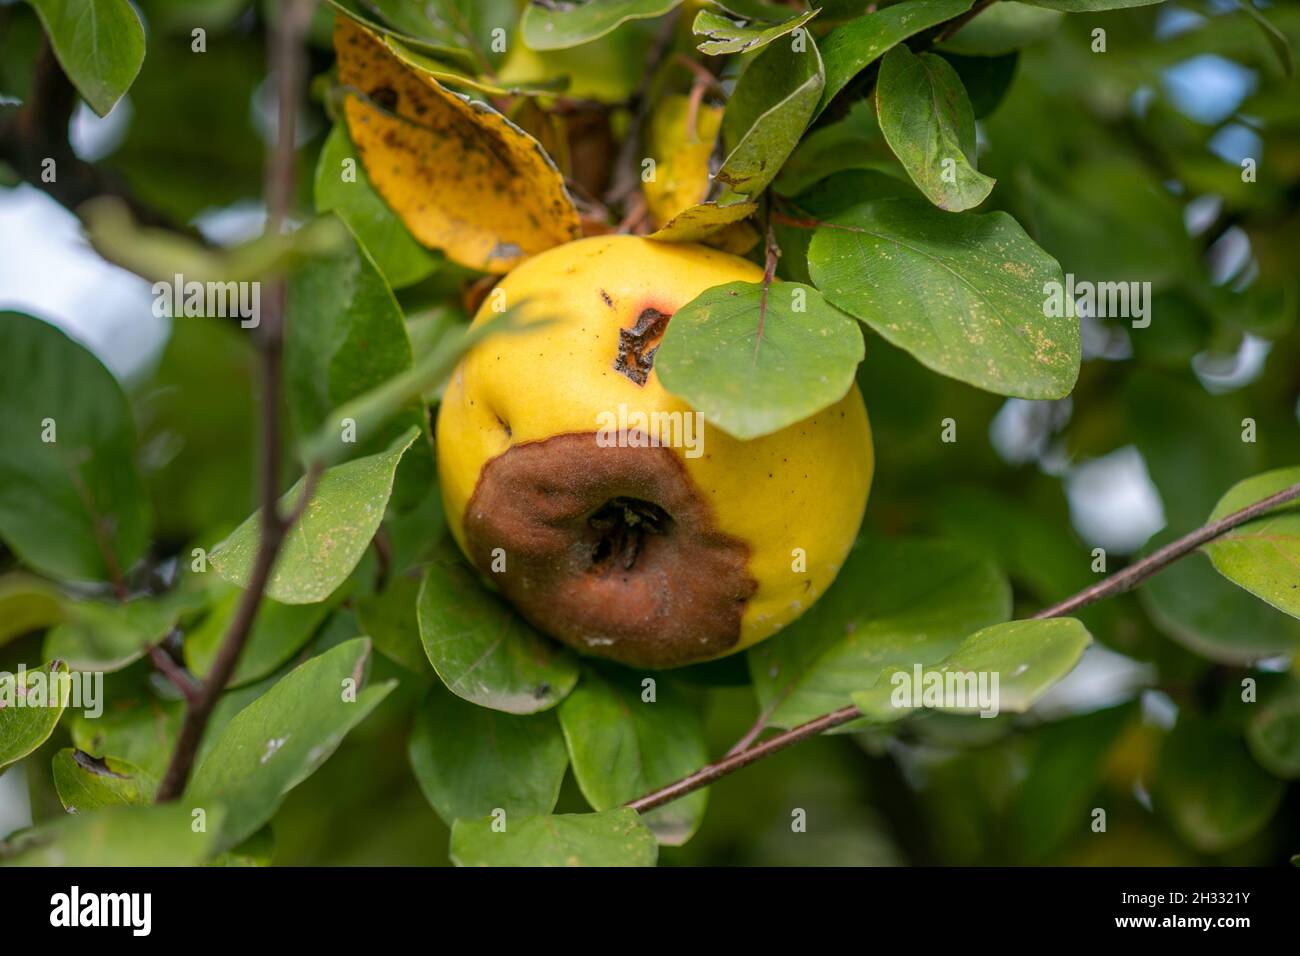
[1214, 794]
[471, 761]
[279, 631]
[282, 737]
[851, 48]
[547, 26]
[725, 35]
[32, 703]
[772, 105]
[73, 506]
[612, 838]
[398, 256]
[109, 635]
[963, 292]
[1263, 556]
[1003, 28]
[894, 603]
[139, 730]
[331, 535]
[928, 122]
[1196, 607]
[86, 783]
[456, 31]
[390, 619]
[164, 835]
[1025, 657]
[623, 746]
[754, 361]
[99, 44]
[346, 337]
[484, 651]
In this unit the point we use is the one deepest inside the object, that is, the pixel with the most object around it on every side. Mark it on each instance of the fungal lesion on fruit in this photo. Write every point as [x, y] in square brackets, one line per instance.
[624, 525]
[637, 345]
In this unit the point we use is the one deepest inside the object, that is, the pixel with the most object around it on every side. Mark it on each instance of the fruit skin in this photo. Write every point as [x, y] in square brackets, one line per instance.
[803, 487]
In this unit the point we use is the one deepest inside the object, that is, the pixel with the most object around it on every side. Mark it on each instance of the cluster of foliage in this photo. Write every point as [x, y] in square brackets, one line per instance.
[847, 147]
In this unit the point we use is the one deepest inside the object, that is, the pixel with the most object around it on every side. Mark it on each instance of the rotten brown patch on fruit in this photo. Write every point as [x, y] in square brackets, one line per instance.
[610, 550]
[637, 345]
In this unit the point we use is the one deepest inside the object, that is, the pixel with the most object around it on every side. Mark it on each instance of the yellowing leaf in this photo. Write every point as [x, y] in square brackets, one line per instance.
[462, 177]
[680, 145]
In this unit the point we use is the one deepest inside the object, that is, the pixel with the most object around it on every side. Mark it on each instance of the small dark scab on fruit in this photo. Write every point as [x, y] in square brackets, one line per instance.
[637, 345]
[613, 551]
[608, 301]
[385, 97]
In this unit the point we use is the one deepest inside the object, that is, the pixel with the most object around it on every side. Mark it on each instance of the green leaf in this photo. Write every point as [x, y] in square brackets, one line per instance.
[623, 747]
[346, 336]
[484, 651]
[109, 635]
[456, 31]
[1214, 794]
[161, 835]
[729, 36]
[99, 44]
[330, 537]
[1003, 28]
[894, 603]
[27, 604]
[612, 838]
[1025, 658]
[1089, 6]
[72, 506]
[33, 701]
[471, 761]
[929, 124]
[389, 618]
[697, 223]
[401, 259]
[754, 363]
[1206, 614]
[1273, 735]
[851, 48]
[557, 26]
[279, 631]
[282, 737]
[772, 105]
[965, 293]
[86, 783]
[986, 79]
[139, 730]
[1262, 556]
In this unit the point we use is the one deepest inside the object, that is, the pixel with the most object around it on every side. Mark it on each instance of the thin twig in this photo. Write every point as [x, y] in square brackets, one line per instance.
[773, 252]
[179, 677]
[742, 755]
[289, 61]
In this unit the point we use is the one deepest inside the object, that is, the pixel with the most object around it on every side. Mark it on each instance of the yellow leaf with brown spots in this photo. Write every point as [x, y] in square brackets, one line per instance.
[462, 177]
